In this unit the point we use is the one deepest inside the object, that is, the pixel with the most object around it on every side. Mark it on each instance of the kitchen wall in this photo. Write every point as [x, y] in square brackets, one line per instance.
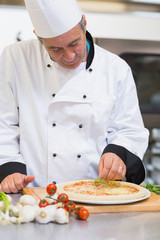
[15, 25]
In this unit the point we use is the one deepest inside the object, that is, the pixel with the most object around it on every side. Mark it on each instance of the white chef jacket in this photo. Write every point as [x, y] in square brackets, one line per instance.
[61, 132]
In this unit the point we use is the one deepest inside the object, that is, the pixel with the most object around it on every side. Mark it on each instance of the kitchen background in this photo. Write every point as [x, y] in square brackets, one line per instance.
[129, 28]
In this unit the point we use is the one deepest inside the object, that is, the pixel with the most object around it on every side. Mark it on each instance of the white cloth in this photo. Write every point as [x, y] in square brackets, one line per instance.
[65, 74]
[103, 101]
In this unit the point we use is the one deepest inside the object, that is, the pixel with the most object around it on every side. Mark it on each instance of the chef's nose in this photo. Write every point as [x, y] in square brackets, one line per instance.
[68, 55]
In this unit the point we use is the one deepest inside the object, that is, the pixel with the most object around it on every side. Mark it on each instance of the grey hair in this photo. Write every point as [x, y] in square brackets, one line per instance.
[81, 24]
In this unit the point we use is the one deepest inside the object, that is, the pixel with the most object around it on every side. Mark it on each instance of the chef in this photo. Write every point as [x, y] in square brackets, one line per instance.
[68, 108]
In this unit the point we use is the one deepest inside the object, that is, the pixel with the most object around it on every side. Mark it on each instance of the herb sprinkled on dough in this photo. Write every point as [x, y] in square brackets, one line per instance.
[99, 180]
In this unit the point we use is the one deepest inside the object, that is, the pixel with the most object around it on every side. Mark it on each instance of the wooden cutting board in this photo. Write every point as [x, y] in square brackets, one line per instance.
[150, 204]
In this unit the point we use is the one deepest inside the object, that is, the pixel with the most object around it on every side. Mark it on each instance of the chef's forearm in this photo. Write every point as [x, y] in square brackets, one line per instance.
[135, 169]
[10, 168]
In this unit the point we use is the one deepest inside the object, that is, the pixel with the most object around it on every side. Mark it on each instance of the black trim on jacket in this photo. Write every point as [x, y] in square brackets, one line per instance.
[91, 51]
[135, 169]
[10, 168]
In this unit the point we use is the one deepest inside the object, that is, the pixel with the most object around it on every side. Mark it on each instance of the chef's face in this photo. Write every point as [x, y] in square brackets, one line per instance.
[68, 49]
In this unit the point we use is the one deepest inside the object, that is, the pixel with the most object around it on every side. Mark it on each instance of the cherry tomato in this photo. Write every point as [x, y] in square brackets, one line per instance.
[70, 205]
[83, 213]
[78, 209]
[43, 203]
[63, 197]
[51, 189]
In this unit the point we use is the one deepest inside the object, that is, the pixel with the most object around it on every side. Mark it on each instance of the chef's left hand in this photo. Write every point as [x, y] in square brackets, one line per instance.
[111, 167]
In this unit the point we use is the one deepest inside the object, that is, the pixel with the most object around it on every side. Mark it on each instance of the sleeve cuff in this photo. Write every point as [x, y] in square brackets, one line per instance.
[135, 169]
[10, 168]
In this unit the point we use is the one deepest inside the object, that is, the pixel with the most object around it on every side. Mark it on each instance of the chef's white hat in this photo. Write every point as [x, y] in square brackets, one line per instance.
[51, 18]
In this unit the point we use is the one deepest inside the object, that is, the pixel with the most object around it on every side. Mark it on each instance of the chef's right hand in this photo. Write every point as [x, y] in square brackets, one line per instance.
[15, 182]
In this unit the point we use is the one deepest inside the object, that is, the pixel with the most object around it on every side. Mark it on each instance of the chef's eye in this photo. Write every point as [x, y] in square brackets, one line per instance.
[55, 49]
[74, 44]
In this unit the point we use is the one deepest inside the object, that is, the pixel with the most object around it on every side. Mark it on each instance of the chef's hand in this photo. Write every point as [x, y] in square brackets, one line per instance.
[15, 182]
[111, 167]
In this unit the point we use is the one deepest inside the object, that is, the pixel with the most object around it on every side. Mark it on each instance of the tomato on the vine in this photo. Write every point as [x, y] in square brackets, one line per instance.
[54, 203]
[70, 206]
[82, 212]
[78, 209]
[43, 203]
[63, 197]
[51, 189]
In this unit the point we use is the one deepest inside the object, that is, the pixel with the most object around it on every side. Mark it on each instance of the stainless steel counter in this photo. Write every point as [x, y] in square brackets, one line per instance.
[106, 226]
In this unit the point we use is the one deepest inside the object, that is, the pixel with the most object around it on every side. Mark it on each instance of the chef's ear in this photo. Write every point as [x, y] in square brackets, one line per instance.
[40, 39]
[85, 22]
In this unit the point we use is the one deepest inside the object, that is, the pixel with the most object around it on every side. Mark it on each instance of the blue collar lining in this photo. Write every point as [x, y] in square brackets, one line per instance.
[88, 46]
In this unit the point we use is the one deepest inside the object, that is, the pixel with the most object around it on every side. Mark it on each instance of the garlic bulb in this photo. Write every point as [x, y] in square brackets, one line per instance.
[27, 200]
[61, 216]
[46, 214]
[26, 214]
[16, 209]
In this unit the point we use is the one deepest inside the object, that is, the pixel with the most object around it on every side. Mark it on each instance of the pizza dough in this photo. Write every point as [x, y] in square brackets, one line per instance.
[109, 191]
